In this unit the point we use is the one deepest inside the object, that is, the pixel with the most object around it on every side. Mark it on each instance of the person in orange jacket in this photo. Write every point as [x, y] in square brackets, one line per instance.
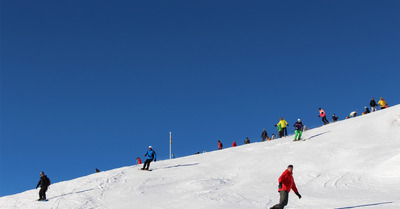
[382, 103]
[323, 115]
[286, 183]
[138, 160]
[234, 144]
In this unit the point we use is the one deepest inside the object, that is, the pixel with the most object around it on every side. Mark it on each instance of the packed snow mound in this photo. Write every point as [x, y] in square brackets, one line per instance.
[348, 164]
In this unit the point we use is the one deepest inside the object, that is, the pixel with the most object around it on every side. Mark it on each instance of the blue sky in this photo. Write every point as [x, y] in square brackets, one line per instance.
[90, 84]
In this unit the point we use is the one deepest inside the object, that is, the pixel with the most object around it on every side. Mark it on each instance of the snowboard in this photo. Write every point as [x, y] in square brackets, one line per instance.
[45, 200]
[145, 170]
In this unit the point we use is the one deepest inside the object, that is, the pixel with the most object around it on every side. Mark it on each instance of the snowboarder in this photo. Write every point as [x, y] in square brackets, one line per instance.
[283, 124]
[247, 141]
[373, 105]
[382, 103]
[151, 155]
[138, 161]
[286, 183]
[323, 115]
[334, 118]
[264, 135]
[219, 145]
[234, 144]
[44, 183]
[366, 110]
[173, 156]
[352, 115]
[298, 130]
[273, 137]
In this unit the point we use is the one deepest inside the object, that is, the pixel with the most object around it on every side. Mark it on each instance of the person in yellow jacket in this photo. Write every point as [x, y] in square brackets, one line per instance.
[283, 125]
[382, 103]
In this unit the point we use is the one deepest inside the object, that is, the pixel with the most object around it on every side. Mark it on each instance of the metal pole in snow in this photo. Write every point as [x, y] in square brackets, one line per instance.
[170, 145]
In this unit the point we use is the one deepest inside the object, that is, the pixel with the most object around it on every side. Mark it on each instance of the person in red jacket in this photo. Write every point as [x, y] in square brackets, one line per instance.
[286, 183]
[219, 145]
[138, 160]
[234, 144]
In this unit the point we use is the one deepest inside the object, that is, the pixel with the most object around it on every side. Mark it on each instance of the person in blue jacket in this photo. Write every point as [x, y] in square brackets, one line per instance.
[151, 155]
[298, 126]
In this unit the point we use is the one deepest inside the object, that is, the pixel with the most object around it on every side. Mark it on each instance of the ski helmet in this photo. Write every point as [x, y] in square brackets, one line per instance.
[150, 147]
[299, 120]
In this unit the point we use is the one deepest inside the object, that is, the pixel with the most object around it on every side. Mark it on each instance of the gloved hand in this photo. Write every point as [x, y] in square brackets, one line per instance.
[276, 125]
[298, 195]
[280, 185]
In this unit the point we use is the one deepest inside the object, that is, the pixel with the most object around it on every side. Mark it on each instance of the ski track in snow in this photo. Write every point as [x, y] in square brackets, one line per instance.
[352, 163]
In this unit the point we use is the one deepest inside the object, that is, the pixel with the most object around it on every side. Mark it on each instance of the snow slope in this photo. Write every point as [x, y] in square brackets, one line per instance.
[353, 163]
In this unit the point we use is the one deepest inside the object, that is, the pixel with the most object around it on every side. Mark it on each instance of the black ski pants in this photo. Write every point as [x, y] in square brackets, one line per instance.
[42, 193]
[146, 164]
[283, 201]
[285, 131]
[325, 120]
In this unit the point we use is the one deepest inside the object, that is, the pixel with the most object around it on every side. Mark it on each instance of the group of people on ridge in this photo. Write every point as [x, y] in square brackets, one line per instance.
[286, 181]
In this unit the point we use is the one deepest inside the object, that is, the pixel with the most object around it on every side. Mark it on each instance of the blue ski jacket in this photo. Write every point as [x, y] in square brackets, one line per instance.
[150, 155]
[298, 126]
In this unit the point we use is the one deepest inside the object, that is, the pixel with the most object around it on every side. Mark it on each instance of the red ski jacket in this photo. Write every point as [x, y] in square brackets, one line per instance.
[322, 113]
[234, 144]
[287, 182]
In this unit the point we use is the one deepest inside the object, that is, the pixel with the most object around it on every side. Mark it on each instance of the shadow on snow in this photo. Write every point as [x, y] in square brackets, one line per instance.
[71, 193]
[183, 165]
[360, 206]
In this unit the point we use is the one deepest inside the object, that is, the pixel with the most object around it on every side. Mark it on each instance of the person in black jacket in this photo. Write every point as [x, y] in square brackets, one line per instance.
[334, 118]
[264, 135]
[373, 105]
[366, 110]
[247, 141]
[44, 183]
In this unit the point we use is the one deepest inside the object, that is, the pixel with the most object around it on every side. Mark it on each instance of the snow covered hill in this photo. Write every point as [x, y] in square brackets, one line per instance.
[353, 163]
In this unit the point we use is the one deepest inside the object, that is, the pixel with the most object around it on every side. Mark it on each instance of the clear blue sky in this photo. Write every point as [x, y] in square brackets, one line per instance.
[90, 84]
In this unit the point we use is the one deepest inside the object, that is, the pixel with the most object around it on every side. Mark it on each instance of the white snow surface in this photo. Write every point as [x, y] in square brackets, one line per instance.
[354, 163]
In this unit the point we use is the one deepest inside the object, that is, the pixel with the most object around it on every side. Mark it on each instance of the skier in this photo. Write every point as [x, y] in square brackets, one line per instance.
[298, 130]
[283, 124]
[247, 141]
[264, 135]
[366, 110]
[44, 183]
[323, 115]
[219, 145]
[234, 144]
[151, 155]
[138, 160]
[352, 115]
[286, 183]
[373, 105]
[382, 103]
[273, 137]
[97, 170]
[173, 156]
[334, 118]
